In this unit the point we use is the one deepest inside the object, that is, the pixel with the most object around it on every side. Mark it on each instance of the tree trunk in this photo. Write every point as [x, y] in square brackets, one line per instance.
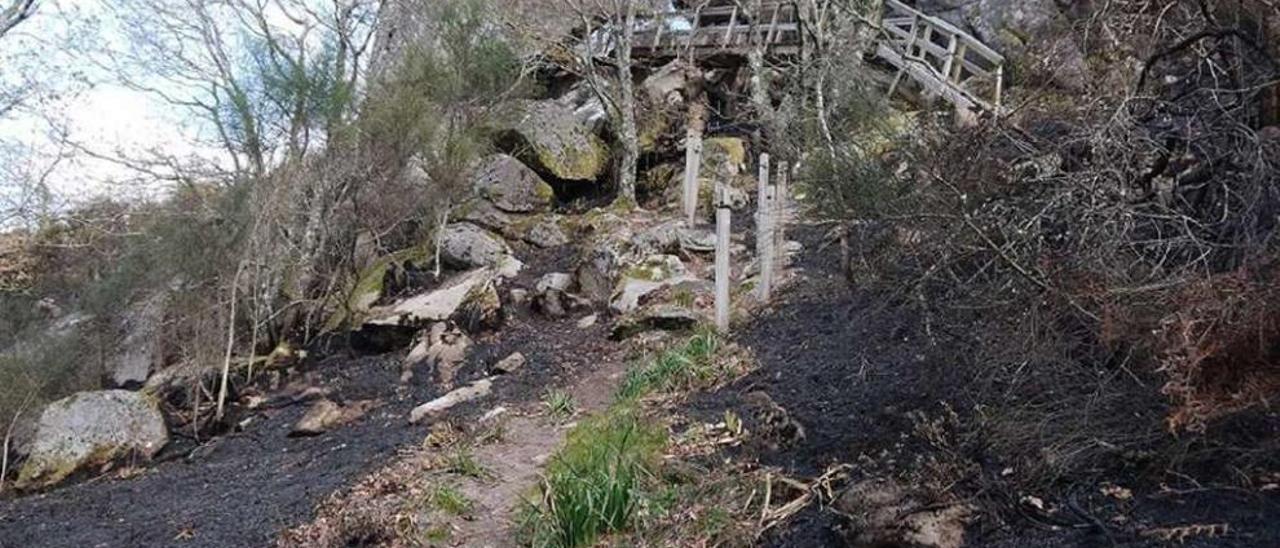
[627, 111]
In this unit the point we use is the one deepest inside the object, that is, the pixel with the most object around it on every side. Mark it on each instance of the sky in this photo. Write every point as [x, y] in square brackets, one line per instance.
[51, 49]
[60, 50]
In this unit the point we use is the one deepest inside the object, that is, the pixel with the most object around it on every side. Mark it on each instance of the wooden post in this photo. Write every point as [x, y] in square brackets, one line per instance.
[728, 33]
[693, 157]
[722, 261]
[949, 61]
[782, 212]
[764, 232]
[999, 84]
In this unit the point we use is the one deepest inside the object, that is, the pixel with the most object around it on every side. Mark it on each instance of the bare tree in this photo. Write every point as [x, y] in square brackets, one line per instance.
[268, 78]
[13, 15]
[617, 94]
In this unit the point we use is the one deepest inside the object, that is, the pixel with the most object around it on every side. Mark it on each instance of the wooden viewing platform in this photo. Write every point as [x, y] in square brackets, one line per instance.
[945, 60]
[942, 59]
[720, 29]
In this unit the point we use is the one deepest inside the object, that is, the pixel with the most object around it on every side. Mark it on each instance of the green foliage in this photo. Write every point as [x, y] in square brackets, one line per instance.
[679, 367]
[46, 366]
[438, 98]
[449, 500]
[593, 484]
[464, 463]
[560, 404]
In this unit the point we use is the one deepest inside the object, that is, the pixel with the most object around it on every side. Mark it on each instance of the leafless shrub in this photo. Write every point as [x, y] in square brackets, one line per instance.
[1106, 256]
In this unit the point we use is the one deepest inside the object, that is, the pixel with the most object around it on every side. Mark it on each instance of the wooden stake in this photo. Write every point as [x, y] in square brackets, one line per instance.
[722, 261]
[693, 159]
[764, 232]
[782, 213]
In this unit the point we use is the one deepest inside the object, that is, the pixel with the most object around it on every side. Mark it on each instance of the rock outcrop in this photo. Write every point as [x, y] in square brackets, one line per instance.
[511, 186]
[464, 245]
[140, 351]
[91, 429]
[550, 138]
[1023, 30]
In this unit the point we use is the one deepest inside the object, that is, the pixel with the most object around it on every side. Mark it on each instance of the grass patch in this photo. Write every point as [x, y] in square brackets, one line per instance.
[680, 367]
[602, 481]
[593, 484]
[560, 404]
[449, 500]
[464, 463]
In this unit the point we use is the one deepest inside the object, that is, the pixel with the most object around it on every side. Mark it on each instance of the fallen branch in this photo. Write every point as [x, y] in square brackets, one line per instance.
[819, 488]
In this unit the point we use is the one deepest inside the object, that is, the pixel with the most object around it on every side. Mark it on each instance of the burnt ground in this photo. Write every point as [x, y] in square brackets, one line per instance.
[846, 365]
[242, 489]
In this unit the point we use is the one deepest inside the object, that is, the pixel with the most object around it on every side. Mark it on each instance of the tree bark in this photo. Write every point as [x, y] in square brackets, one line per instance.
[627, 138]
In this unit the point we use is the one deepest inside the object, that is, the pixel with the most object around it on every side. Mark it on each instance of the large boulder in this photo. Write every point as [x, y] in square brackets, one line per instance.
[464, 245]
[617, 245]
[724, 161]
[656, 272]
[140, 351]
[91, 429]
[439, 305]
[546, 233]
[549, 137]
[510, 185]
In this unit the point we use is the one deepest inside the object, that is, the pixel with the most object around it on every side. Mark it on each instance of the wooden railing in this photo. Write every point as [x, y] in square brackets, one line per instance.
[720, 29]
[942, 58]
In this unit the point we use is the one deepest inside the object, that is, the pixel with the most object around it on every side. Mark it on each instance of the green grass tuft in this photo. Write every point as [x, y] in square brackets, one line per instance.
[560, 404]
[464, 463]
[449, 500]
[679, 367]
[592, 485]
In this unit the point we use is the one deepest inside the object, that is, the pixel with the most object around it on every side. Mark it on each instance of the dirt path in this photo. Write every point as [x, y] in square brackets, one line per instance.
[506, 439]
[518, 460]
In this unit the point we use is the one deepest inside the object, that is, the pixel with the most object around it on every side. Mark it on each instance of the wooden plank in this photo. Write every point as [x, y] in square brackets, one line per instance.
[999, 85]
[782, 215]
[773, 24]
[657, 35]
[954, 71]
[950, 59]
[928, 78]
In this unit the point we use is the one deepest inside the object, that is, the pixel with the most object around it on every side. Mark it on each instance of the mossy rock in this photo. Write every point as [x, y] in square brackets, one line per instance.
[732, 150]
[90, 429]
[510, 185]
[547, 136]
[370, 286]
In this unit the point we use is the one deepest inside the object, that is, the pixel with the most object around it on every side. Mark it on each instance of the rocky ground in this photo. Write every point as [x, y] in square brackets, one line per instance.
[244, 488]
[839, 370]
